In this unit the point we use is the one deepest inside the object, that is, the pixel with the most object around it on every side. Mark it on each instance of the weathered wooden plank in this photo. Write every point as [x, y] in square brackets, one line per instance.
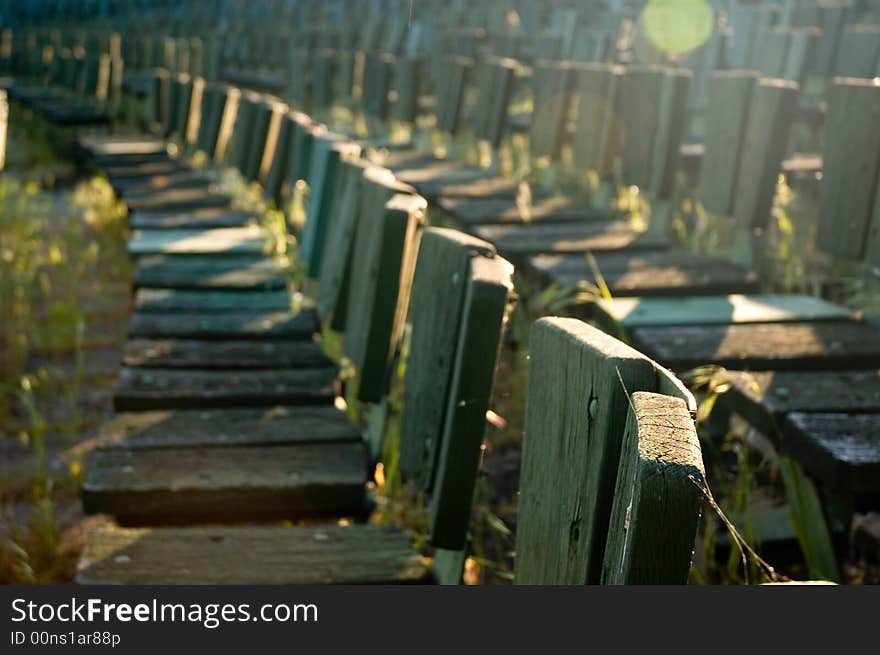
[169, 300]
[264, 137]
[637, 110]
[671, 123]
[770, 115]
[406, 85]
[851, 167]
[325, 554]
[140, 169]
[138, 187]
[244, 132]
[378, 68]
[179, 199]
[195, 219]
[597, 127]
[858, 53]
[201, 354]
[826, 345]
[208, 272]
[382, 266]
[658, 496]
[730, 98]
[663, 273]
[451, 92]
[485, 307]
[555, 209]
[619, 315]
[580, 381]
[765, 397]
[552, 106]
[520, 240]
[348, 204]
[127, 144]
[841, 450]
[246, 240]
[226, 325]
[158, 486]
[270, 426]
[142, 388]
[328, 150]
[440, 281]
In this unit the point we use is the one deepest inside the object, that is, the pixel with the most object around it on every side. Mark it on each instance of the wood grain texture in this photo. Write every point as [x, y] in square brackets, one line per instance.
[383, 261]
[577, 405]
[764, 397]
[435, 316]
[521, 240]
[826, 345]
[208, 272]
[208, 428]
[658, 496]
[244, 240]
[226, 325]
[485, 308]
[173, 485]
[192, 353]
[171, 300]
[841, 450]
[142, 388]
[326, 554]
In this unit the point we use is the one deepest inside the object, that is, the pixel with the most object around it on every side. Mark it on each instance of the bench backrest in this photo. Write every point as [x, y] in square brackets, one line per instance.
[580, 396]
[849, 211]
[461, 297]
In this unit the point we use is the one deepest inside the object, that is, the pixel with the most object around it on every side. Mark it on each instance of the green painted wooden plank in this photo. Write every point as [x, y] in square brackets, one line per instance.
[229, 240]
[329, 148]
[406, 84]
[183, 199]
[378, 69]
[552, 105]
[343, 81]
[851, 167]
[323, 554]
[597, 125]
[382, 266]
[580, 381]
[214, 485]
[858, 54]
[521, 240]
[671, 123]
[637, 103]
[486, 302]
[208, 272]
[226, 325]
[223, 354]
[440, 282]
[207, 428]
[628, 313]
[322, 81]
[730, 99]
[451, 93]
[348, 203]
[824, 345]
[169, 300]
[244, 132]
[192, 220]
[658, 497]
[495, 88]
[264, 134]
[771, 114]
[159, 388]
